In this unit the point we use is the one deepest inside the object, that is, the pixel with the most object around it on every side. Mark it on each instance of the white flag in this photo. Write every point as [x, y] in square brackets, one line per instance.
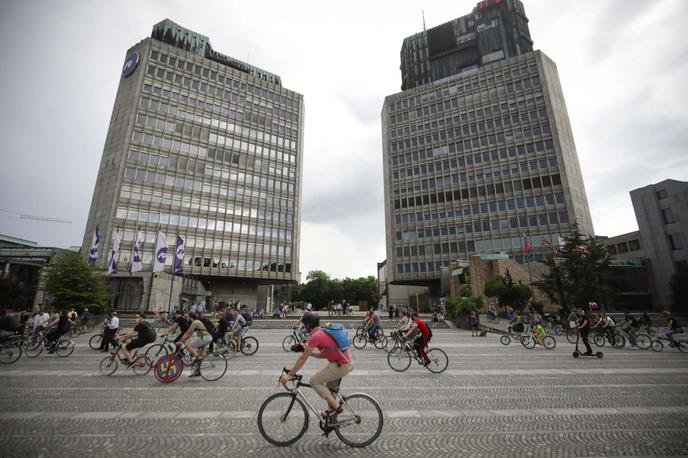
[114, 254]
[136, 264]
[93, 252]
[160, 253]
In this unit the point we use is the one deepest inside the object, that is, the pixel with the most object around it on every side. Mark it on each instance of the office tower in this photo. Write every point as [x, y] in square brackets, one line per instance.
[477, 148]
[661, 210]
[208, 147]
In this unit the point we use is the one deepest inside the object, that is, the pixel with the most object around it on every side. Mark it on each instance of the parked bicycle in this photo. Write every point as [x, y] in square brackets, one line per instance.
[399, 359]
[141, 364]
[211, 366]
[283, 418]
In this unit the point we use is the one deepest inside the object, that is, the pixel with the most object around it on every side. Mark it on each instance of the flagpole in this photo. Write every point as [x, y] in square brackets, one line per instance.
[169, 302]
[150, 288]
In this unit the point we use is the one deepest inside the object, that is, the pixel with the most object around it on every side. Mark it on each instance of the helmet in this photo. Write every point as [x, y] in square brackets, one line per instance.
[310, 320]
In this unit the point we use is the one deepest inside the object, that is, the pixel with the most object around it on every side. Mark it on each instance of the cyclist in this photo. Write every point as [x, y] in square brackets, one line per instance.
[492, 311]
[180, 322]
[142, 335]
[606, 323]
[516, 323]
[84, 320]
[672, 327]
[239, 329]
[373, 324]
[198, 343]
[423, 335]
[58, 329]
[340, 363]
[630, 325]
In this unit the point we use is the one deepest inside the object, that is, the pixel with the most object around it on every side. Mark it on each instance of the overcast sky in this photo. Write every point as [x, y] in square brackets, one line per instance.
[623, 66]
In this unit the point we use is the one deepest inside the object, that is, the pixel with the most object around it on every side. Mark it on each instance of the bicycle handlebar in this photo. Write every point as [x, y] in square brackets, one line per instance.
[296, 377]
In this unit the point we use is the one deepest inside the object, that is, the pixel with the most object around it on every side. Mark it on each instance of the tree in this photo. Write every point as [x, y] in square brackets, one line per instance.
[679, 291]
[508, 292]
[72, 282]
[578, 274]
[465, 303]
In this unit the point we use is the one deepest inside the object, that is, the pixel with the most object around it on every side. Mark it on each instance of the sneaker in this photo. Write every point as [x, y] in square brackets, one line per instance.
[331, 413]
[194, 374]
[426, 363]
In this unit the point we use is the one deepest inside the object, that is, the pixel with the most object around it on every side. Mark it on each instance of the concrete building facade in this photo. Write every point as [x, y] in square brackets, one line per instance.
[661, 211]
[207, 147]
[473, 161]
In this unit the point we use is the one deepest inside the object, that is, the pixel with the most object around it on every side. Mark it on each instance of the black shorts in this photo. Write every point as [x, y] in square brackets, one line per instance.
[135, 343]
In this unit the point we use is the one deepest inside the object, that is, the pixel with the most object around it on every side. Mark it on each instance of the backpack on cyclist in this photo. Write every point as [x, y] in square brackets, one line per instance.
[209, 327]
[249, 319]
[148, 335]
[339, 333]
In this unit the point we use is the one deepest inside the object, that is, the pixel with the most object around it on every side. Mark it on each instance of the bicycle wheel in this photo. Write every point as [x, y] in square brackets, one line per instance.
[381, 342]
[64, 348]
[558, 330]
[528, 342]
[249, 345]
[505, 340]
[282, 419]
[33, 350]
[155, 352]
[74, 332]
[288, 342]
[108, 365]
[549, 342]
[142, 365]
[360, 331]
[681, 345]
[571, 336]
[213, 367]
[657, 345]
[619, 341]
[438, 361]
[599, 340]
[361, 421]
[360, 341]
[94, 342]
[643, 341]
[168, 368]
[379, 333]
[10, 353]
[399, 359]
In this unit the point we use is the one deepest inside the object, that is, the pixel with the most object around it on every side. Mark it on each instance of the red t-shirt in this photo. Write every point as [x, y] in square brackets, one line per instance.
[328, 347]
[423, 328]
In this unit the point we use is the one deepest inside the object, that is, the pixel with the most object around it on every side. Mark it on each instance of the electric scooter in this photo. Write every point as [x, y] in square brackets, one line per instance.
[577, 353]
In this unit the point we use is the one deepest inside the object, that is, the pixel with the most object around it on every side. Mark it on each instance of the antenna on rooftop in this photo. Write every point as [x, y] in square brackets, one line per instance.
[423, 13]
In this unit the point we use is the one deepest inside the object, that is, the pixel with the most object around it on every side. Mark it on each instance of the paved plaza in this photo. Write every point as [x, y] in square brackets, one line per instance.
[493, 400]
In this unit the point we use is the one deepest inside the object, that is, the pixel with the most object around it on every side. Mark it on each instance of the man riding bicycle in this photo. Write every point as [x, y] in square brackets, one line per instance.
[340, 363]
[198, 343]
[423, 335]
[372, 323]
[141, 336]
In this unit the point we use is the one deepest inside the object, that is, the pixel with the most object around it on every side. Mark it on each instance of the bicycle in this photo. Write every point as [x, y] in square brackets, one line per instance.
[292, 339]
[283, 418]
[615, 339]
[141, 364]
[63, 347]
[158, 350]
[96, 339]
[640, 339]
[249, 345]
[211, 366]
[508, 336]
[534, 338]
[658, 346]
[379, 341]
[393, 341]
[11, 349]
[399, 359]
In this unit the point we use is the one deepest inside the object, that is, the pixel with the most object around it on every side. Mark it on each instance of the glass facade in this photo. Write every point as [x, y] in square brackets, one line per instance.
[208, 151]
[474, 162]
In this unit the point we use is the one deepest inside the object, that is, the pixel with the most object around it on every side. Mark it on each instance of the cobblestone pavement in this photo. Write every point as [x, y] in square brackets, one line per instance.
[493, 400]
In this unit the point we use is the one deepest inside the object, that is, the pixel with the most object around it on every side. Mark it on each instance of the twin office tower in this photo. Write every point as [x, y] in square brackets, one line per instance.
[478, 150]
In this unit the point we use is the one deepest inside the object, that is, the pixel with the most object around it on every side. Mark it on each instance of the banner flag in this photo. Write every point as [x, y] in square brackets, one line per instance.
[114, 254]
[93, 253]
[178, 264]
[160, 253]
[136, 264]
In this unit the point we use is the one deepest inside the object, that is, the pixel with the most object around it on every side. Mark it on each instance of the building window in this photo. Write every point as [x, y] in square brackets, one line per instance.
[668, 216]
[611, 249]
[622, 247]
[661, 194]
[682, 266]
[676, 241]
[634, 245]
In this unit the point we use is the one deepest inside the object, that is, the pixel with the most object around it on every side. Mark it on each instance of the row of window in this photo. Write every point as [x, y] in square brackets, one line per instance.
[218, 263]
[149, 177]
[483, 208]
[157, 197]
[171, 110]
[624, 247]
[225, 80]
[466, 84]
[219, 93]
[195, 222]
[514, 222]
[490, 189]
[256, 149]
[244, 249]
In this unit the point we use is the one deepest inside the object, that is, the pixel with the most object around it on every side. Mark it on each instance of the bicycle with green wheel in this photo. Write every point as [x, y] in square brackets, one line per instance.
[283, 418]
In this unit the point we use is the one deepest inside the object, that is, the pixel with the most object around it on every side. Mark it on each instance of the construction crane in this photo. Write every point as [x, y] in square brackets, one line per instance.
[34, 217]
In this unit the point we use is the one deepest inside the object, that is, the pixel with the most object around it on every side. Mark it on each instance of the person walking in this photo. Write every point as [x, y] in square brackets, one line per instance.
[111, 328]
[474, 324]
